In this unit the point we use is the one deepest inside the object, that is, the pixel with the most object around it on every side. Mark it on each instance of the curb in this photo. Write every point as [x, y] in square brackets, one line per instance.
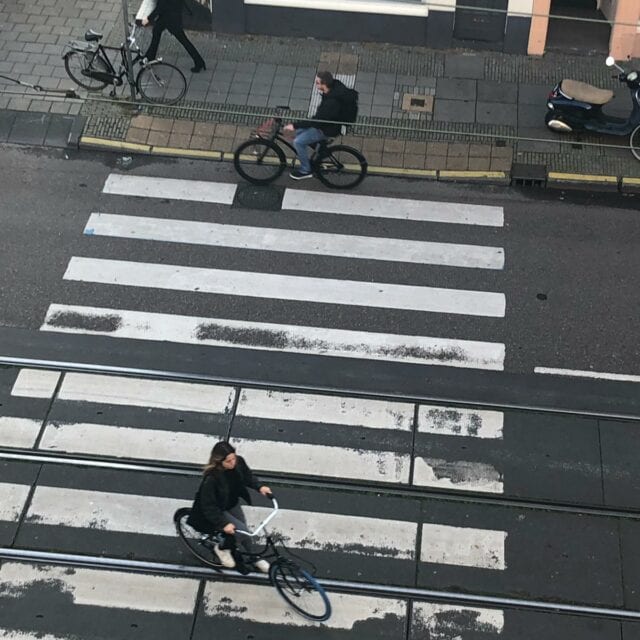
[630, 185]
[557, 180]
[105, 144]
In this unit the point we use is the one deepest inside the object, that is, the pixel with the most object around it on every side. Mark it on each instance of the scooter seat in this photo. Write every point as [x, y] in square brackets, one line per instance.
[585, 92]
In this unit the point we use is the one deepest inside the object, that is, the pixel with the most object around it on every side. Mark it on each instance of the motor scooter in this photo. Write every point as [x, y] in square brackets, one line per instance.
[577, 106]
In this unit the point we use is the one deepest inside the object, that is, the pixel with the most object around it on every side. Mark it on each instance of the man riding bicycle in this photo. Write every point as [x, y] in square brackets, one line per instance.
[308, 132]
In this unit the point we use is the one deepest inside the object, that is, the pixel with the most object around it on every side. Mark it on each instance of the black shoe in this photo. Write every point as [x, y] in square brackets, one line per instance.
[299, 175]
[198, 68]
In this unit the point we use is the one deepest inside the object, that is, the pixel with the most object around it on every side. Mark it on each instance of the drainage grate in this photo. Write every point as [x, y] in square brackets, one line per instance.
[417, 103]
[528, 175]
[267, 198]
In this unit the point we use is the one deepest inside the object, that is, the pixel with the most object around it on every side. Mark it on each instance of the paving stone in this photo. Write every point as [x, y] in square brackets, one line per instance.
[531, 116]
[179, 140]
[415, 148]
[454, 110]
[496, 113]
[380, 112]
[182, 127]
[457, 163]
[138, 136]
[370, 145]
[257, 100]
[392, 159]
[502, 153]
[453, 89]
[223, 144]
[59, 129]
[200, 142]
[29, 128]
[437, 148]
[479, 164]
[534, 93]
[393, 146]
[162, 124]
[435, 162]
[142, 122]
[158, 138]
[7, 118]
[237, 99]
[500, 164]
[54, 107]
[225, 130]
[458, 149]
[413, 161]
[479, 150]
[464, 65]
[503, 92]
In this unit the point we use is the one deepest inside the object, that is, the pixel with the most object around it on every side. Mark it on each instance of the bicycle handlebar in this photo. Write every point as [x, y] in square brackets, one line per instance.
[264, 523]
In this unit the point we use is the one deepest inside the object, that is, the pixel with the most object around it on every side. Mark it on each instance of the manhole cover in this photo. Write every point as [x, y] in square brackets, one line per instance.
[417, 102]
[251, 196]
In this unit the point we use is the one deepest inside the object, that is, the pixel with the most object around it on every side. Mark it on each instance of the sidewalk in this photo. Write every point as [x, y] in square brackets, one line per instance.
[422, 112]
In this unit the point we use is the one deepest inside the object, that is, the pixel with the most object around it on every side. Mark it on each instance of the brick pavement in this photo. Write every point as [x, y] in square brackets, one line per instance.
[419, 109]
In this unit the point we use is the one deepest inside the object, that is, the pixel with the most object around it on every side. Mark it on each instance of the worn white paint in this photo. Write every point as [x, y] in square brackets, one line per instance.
[18, 432]
[110, 589]
[618, 377]
[286, 287]
[293, 241]
[262, 605]
[456, 421]
[35, 383]
[398, 208]
[103, 511]
[128, 442]
[461, 475]
[321, 460]
[464, 546]
[325, 409]
[12, 500]
[12, 634]
[278, 337]
[448, 621]
[149, 187]
[139, 392]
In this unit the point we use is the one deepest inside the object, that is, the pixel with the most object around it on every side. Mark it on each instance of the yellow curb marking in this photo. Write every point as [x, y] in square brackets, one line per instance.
[189, 153]
[399, 171]
[631, 181]
[472, 174]
[115, 144]
[580, 177]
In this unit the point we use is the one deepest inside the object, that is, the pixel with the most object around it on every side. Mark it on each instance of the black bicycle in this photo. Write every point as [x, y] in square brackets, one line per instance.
[296, 586]
[89, 66]
[261, 159]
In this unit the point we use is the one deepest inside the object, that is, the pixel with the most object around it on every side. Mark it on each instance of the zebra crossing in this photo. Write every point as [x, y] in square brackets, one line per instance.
[318, 290]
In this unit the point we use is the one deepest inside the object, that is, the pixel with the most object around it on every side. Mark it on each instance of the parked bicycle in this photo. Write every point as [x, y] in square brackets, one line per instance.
[88, 65]
[261, 159]
[295, 585]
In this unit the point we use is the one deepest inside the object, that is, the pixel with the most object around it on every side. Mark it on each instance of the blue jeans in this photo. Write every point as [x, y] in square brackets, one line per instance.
[305, 137]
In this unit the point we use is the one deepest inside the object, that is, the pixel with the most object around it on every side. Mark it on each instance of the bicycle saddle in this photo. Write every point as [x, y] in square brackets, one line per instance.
[585, 92]
[92, 36]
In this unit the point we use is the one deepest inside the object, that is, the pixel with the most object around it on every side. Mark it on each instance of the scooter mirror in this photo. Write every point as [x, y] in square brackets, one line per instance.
[610, 61]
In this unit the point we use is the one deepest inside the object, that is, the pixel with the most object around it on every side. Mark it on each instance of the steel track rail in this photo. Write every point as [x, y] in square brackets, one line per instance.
[78, 367]
[26, 455]
[341, 586]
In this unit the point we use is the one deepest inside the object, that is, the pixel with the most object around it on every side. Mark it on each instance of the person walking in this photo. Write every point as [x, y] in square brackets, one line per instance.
[216, 506]
[168, 15]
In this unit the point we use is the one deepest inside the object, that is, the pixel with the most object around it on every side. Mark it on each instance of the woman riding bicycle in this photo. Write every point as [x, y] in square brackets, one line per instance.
[216, 506]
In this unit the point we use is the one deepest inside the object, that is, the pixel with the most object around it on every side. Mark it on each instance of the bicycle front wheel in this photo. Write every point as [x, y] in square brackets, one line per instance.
[198, 544]
[79, 66]
[259, 161]
[634, 143]
[300, 590]
[161, 83]
[341, 167]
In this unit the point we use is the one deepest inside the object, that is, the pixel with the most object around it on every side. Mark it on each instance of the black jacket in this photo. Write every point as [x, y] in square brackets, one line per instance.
[330, 109]
[168, 12]
[213, 494]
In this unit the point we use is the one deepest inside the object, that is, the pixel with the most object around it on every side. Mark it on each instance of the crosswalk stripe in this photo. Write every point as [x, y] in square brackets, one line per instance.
[139, 392]
[120, 323]
[460, 475]
[174, 189]
[111, 589]
[11, 634]
[454, 421]
[261, 605]
[286, 287]
[35, 383]
[184, 447]
[464, 546]
[448, 621]
[398, 208]
[314, 531]
[293, 241]
[372, 414]
[18, 432]
[12, 500]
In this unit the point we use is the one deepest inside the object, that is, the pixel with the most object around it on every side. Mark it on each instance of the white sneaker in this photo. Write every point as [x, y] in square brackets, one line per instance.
[225, 557]
[262, 566]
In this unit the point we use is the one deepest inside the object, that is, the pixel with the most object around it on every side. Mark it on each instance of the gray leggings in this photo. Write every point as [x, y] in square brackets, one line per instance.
[236, 516]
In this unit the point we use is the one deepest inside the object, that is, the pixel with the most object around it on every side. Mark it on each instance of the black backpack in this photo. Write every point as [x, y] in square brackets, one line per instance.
[349, 105]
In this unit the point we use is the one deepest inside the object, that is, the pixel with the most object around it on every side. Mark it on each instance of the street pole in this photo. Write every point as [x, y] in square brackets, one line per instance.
[127, 50]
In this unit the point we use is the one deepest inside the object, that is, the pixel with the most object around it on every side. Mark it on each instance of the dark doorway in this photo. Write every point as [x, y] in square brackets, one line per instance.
[476, 27]
[576, 36]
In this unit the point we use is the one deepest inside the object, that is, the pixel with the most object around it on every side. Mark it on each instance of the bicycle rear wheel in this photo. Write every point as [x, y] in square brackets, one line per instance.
[79, 65]
[200, 545]
[341, 167]
[300, 590]
[161, 83]
[634, 143]
[259, 161]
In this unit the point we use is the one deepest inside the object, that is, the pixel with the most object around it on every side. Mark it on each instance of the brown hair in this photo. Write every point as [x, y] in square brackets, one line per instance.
[219, 452]
[326, 78]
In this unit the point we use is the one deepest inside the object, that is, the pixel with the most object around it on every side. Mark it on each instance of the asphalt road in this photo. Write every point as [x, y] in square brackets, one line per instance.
[569, 278]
